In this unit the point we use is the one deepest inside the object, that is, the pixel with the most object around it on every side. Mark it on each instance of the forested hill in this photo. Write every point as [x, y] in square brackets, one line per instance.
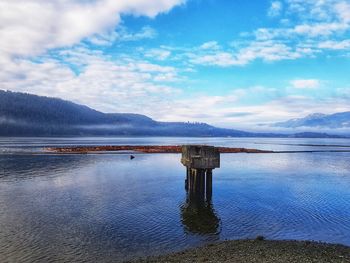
[33, 109]
[24, 114]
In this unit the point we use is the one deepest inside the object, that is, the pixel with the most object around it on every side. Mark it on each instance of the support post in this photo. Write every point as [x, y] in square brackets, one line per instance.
[201, 184]
[209, 184]
[194, 180]
[187, 178]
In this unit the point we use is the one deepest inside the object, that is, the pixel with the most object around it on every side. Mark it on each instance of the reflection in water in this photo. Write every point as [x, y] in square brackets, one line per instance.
[198, 214]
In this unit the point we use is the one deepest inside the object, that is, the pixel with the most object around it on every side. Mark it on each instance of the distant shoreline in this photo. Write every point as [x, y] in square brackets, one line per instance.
[268, 251]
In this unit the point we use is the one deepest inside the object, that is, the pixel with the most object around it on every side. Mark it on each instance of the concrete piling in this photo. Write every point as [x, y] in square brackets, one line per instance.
[200, 160]
[198, 214]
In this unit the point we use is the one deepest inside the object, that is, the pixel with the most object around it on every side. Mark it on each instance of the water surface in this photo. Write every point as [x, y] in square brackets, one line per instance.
[104, 208]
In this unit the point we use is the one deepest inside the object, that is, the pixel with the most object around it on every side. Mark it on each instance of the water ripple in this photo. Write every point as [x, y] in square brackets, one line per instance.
[94, 208]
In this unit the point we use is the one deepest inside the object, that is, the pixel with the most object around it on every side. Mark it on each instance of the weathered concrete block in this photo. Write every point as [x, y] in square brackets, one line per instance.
[200, 157]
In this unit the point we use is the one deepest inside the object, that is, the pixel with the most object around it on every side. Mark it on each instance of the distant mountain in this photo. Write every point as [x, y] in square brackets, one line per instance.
[319, 120]
[24, 114]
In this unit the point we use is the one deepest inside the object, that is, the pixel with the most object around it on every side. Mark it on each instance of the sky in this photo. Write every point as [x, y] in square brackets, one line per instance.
[230, 63]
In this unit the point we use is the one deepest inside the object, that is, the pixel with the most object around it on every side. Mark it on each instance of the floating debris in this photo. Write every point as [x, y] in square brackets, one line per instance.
[143, 149]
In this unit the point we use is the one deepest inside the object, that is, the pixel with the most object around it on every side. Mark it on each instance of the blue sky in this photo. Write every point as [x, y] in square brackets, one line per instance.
[234, 64]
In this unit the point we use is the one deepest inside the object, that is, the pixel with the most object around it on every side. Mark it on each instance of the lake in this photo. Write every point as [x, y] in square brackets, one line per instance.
[108, 208]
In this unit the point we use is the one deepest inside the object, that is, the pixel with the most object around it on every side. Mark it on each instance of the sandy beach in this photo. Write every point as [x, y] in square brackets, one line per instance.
[257, 251]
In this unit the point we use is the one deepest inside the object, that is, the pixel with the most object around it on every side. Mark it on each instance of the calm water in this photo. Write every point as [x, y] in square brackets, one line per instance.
[106, 207]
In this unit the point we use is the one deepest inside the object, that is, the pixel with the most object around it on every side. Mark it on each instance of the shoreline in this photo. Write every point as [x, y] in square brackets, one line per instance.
[267, 251]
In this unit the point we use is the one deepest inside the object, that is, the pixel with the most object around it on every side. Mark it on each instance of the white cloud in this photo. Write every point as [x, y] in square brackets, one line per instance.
[315, 26]
[268, 51]
[210, 45]
[222, 59]
[122, 34]
[305, 83]
[317, 10]
[275, 9]
[148, 67]
[320, 17]
[320, 29]
[29, 27]
[227, 111]
[343, 10]
[158, 54]
[114, 86]
[337, 45]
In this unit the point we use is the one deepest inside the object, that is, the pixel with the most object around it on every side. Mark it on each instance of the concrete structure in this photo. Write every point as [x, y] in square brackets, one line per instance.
[200, 160]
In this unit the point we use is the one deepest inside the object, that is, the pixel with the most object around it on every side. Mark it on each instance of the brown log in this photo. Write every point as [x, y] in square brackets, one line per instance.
[143, 149]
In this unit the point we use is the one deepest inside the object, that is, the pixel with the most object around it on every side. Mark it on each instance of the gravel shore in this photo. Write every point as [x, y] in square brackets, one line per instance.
[259, 251]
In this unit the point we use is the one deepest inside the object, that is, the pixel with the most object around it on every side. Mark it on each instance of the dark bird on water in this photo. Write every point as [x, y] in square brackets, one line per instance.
[132, 157]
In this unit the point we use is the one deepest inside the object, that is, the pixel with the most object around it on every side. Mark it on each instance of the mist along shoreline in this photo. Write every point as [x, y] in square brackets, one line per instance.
[160, 149]
[267, 251]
